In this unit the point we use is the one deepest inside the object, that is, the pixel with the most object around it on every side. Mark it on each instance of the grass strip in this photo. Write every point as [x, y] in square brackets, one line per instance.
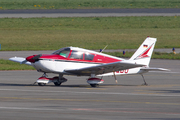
[10, 65]
[91, 33]
[87, 4]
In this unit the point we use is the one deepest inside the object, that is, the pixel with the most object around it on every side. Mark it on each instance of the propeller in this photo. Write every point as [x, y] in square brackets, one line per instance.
[36, 58]
[23, 62]
[32, 58]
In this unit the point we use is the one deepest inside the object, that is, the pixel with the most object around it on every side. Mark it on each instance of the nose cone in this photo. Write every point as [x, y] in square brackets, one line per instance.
[33, 58]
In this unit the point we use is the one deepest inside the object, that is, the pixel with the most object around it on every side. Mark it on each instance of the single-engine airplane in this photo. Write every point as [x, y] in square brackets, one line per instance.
[83, 62]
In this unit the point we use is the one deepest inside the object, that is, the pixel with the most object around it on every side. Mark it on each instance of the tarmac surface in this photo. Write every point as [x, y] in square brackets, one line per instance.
[75, 99]
[88, 13]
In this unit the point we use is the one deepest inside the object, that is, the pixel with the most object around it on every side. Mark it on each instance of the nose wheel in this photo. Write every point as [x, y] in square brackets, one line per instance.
[41, 84]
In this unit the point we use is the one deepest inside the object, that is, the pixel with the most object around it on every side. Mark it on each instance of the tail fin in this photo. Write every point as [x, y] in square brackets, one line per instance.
[144, 52]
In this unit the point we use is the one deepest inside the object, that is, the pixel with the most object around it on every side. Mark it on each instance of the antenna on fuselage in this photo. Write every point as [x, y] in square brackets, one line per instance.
[103, 49]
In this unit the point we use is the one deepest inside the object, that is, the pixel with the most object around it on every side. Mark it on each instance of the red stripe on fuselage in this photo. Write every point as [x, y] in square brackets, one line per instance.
[97, 58]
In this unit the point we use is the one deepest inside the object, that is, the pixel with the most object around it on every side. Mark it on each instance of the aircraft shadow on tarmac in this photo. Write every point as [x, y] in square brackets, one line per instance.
[79, 86]
[160, 118]
[87, 86]
[100, 86]
[11, 84]
[167, 91]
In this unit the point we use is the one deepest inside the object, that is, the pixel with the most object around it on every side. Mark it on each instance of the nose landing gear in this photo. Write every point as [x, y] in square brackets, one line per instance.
[42, 81]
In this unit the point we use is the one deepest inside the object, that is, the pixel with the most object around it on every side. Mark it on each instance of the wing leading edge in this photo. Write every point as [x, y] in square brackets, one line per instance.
[103, 68]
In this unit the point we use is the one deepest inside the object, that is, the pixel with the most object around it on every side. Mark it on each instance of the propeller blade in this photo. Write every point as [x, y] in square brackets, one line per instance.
[33, 58]
[23, 62]
[36, 58]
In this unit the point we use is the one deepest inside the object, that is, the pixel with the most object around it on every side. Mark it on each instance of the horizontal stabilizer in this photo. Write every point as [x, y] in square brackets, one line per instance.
[20, 60]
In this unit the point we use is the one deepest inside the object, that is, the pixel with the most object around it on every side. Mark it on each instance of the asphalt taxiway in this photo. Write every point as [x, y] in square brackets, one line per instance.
[89, 13]
[75, 99]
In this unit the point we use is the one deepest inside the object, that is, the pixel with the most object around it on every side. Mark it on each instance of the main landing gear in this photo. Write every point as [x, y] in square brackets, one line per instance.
[94, 82]
[58, 80]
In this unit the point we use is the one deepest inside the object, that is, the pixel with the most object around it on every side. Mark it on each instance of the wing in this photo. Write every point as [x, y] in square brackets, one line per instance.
[20, 60]
[103, 68]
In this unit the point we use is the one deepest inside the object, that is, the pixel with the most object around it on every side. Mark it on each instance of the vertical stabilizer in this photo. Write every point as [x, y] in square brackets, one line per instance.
[144, 52]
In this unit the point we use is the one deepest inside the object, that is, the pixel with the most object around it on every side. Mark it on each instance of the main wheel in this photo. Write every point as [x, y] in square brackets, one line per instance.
[57, 84]
[94, 85]
[41, 84]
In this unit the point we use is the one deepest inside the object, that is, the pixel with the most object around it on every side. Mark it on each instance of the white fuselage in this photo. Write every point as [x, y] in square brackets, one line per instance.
[58, 67]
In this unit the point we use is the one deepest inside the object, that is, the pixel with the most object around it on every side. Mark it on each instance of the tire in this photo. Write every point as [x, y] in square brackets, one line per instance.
[94, 85]
[41, 84]
[57, 84]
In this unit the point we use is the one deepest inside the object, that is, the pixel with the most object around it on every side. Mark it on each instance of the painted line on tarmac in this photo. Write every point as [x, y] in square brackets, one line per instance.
[125, 111]
[104, 93]
[88, 100]
[90, 110]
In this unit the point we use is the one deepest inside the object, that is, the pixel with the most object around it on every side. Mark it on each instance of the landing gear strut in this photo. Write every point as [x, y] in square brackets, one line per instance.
[60, 80]
[144, 81]
[44, 75]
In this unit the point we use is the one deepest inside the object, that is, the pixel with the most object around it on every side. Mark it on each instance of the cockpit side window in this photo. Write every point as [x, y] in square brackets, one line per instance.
[89, 56]
[76, 55]
[63, 52]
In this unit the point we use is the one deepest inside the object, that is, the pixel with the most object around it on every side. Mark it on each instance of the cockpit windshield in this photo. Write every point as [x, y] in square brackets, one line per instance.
[63, 52]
